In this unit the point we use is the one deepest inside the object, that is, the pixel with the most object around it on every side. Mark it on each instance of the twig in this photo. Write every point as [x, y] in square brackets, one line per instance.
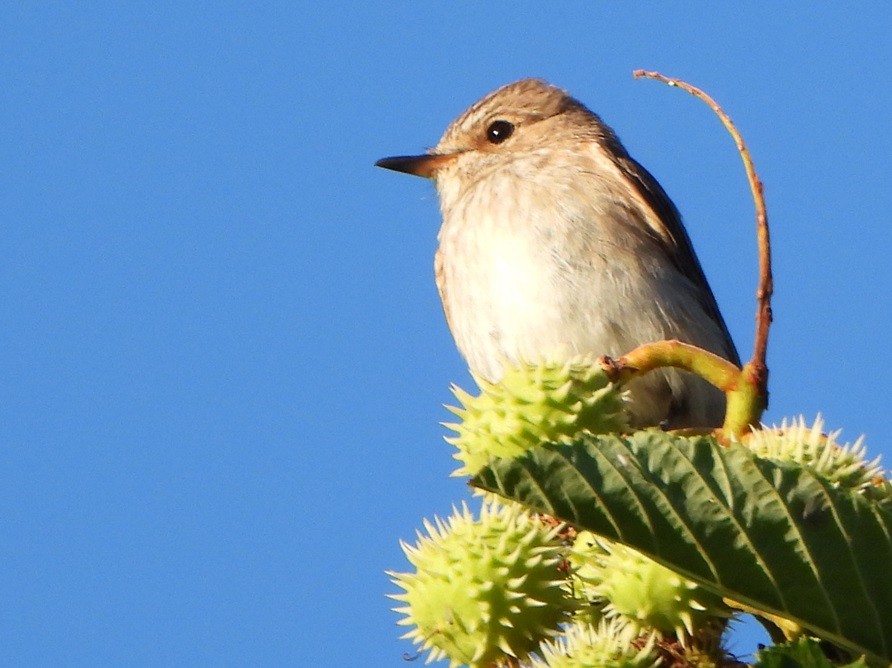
[645, 358]
[756, 369]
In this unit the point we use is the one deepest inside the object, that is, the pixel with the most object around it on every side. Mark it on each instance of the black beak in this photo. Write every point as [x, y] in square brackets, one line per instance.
[416, 165]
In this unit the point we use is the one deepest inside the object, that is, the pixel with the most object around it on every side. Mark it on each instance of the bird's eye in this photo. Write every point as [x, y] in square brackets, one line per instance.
[499, 131]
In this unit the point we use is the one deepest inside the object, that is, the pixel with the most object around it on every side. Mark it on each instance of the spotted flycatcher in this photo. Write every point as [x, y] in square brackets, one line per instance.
[556, 243]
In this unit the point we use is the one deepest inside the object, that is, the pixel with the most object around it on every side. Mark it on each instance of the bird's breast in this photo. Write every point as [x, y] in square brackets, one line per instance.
[521, 278]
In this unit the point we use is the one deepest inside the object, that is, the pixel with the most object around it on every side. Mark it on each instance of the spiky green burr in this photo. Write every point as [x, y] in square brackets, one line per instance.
[844, 465]
[483, 588]
[630, 589]
[534, 404]
[588, 646]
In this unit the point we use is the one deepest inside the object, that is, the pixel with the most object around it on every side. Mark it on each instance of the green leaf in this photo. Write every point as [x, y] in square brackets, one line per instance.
[804, 653]
[801, 653]
[776, 537]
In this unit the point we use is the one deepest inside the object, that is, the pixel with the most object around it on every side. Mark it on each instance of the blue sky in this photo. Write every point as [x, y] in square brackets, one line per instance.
[223, 356]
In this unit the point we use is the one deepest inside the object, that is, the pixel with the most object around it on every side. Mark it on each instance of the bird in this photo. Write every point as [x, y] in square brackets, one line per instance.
[555, 243]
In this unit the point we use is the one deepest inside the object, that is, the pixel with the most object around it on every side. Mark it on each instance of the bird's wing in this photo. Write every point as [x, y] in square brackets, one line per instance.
[440, 279]
[665, 221]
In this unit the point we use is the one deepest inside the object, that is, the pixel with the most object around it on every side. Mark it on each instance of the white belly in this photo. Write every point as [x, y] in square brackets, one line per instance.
[512, 296]
[529, 279]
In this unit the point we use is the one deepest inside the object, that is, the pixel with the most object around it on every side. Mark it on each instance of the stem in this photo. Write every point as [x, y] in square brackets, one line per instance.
[742, 391]
[750, 398]
[745, 402]
[717, 370]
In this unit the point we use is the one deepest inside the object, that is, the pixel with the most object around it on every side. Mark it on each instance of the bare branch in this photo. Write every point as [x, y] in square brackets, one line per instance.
[756, 369]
